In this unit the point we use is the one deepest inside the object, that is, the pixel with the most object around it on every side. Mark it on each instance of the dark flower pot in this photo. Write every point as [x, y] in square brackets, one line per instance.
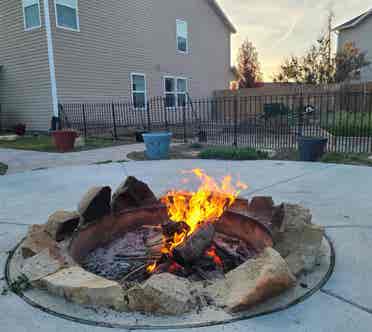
[312, 148]
[64, 140]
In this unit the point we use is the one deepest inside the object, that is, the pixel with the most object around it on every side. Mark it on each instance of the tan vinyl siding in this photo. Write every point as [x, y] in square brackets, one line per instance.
[24, 80]
[120, 37]
[361, 36]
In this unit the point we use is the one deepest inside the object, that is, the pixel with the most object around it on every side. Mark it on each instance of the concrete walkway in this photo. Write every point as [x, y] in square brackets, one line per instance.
[21, 160]
[339, 197]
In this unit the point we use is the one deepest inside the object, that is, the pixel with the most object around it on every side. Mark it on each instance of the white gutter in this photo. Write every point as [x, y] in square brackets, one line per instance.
[52, 69]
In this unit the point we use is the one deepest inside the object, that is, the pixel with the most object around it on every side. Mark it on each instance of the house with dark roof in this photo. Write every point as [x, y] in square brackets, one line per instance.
[63, 51]
[358, 31]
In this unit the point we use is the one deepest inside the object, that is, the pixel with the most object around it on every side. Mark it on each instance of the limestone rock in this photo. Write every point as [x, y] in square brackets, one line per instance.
[41, 265]
[131, 194]
[95, 204]
[36, 241]
[161, 294]
[83, 287]
[62, 224]
[258, 279]
[297, 239]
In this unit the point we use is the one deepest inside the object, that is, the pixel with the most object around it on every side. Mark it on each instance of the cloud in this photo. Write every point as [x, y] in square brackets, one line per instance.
[279, 28]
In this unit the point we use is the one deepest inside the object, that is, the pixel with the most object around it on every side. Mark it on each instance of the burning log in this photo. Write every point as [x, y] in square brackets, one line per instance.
[170, 228]
[195, 245]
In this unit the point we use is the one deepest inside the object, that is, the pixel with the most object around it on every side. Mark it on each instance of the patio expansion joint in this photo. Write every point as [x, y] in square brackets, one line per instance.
[13, 223]
[342, 299]
[288, 180]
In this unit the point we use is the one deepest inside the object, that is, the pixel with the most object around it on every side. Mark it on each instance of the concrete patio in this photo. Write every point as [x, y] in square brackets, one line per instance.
[339, 197]
[22, 160]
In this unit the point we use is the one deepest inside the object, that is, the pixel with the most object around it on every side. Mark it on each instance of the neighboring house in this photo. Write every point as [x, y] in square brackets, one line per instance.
[93, 51]
[358, 31]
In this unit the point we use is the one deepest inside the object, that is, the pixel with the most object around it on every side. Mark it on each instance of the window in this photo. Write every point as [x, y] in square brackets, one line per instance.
[175, 90]
[67, 14]
[139, 91]
[182, 36]
[31, 14]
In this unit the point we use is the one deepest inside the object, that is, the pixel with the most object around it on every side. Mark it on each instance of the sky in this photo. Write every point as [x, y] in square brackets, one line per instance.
[280, 28]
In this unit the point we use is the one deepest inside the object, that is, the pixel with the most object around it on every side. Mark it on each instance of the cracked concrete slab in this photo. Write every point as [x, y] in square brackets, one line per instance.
[337, 195]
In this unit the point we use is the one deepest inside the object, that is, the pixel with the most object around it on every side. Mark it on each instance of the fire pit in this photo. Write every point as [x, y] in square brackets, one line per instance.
[186, 252]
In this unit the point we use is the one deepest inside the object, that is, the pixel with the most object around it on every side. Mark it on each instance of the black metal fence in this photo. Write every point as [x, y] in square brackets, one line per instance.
[263, 122]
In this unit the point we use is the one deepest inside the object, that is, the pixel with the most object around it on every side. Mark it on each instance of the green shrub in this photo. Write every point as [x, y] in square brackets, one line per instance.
[352, 124]
[347, 158]
[231, 153]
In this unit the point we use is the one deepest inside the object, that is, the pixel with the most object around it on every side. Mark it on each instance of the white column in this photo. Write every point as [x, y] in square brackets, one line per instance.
[52, 69]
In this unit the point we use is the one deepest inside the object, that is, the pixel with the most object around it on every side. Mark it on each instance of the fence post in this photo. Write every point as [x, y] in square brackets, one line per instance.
[184, 124]
[148, 116]
[236, 120]
[165, 113]
[114, 120]
[301, 117]
[84, 121]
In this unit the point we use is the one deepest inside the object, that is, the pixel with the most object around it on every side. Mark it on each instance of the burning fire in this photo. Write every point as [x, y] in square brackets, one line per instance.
[205, 205]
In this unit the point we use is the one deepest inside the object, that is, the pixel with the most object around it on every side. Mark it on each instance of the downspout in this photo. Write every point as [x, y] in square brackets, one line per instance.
[52, 69]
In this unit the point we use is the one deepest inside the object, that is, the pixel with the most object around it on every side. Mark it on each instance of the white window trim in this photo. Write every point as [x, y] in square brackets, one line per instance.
[176, 92]
[77, 18]
[187, 39]
[132, 91]
[24, 17]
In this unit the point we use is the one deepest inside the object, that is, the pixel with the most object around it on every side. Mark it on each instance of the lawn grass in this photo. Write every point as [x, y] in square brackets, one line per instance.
[232, 153]
[348, 124]
[347, 158]
[44, 143]
[3, 168]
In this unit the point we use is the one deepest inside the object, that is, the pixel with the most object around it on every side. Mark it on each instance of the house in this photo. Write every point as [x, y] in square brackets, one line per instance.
[358, 31]
[58, 51]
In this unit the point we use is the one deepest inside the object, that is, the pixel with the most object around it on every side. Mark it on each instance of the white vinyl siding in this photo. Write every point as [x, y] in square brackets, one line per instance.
[31, 14]
[175, 91]
[139, 90]
[67, 16]
[182, 36]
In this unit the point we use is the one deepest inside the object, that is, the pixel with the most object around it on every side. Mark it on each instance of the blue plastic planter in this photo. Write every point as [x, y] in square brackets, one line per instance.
[312, 148]
[157, 145]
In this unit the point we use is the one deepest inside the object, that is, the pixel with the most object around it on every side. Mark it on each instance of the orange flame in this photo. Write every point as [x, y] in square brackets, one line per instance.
[151, 268]
[205, 205]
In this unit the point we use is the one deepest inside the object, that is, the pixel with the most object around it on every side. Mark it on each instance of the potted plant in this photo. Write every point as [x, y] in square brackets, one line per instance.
[20, 129]
[64, 139]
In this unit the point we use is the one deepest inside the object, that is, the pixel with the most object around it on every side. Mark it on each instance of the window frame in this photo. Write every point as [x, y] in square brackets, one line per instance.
[187, 38]
[175, 93]
[24, 17]
[144, 92]
[77, 18]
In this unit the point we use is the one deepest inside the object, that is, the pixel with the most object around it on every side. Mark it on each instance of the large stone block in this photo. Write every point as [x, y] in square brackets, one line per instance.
[258, 279]
[161, 294]
[62, 224]
[82, 287]
[36, 241]
[297, 239]
[131, 194]
[41, 265]
[95, 204]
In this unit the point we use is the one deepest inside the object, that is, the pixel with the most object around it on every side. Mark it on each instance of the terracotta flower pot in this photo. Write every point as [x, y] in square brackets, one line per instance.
[64, 140]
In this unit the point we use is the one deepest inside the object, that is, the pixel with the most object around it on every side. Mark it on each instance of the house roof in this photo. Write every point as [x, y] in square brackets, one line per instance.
[354, 22]
[222, 15]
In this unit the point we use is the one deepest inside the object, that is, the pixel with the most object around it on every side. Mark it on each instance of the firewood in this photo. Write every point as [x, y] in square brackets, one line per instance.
[170, 228]
[195, 245]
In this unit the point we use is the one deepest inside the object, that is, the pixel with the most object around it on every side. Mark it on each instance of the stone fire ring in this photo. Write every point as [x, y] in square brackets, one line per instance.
[129, 321]
[311, 273]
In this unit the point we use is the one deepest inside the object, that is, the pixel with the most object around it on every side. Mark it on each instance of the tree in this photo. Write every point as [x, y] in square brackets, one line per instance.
[349, 61]
[315, 67]
[319, 66]
[249, 67]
